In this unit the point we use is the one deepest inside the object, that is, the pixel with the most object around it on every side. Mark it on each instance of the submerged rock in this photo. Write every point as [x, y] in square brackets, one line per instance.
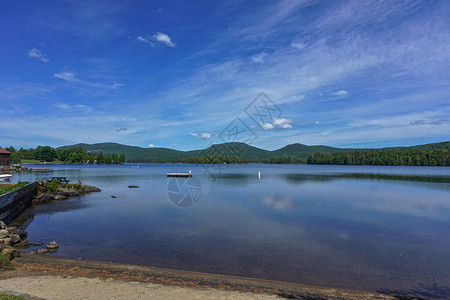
[52, 246]
[41, 251]
[133, 186]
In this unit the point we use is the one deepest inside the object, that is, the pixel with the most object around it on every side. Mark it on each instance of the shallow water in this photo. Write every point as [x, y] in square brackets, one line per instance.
[373, 228]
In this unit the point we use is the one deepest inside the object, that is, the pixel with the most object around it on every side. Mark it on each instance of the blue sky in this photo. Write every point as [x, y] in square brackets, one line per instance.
[173, 74]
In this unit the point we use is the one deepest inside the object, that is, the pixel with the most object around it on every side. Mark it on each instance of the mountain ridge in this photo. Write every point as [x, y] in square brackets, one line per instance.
[241, 150]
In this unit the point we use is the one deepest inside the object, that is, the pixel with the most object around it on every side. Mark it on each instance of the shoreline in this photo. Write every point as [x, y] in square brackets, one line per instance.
[42, 265]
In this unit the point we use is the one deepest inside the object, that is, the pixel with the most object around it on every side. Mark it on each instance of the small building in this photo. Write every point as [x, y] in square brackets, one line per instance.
[5, 157]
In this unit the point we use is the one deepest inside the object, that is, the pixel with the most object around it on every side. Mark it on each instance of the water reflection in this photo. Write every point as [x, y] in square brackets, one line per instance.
[315, 225]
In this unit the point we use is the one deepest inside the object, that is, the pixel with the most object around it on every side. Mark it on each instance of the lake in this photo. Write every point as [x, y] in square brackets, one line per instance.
[372, 228]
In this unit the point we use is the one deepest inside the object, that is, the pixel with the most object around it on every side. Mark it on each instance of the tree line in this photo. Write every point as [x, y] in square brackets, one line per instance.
[389, 157]
[74, 155]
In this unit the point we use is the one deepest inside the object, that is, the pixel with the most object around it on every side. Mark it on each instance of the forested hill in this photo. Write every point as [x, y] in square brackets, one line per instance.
[428, 154]
[436, 154]
[227, 152]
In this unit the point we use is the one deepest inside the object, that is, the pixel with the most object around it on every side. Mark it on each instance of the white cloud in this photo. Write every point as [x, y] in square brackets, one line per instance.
[341, 93]
[164, 38]
[298, 45]
[70, 77]
[158, 37]
[78, 108]
[151, 146]
[38, 54]
[146, 40]
[281, 123]
[67, 76]
[200, 136]
[259, 58]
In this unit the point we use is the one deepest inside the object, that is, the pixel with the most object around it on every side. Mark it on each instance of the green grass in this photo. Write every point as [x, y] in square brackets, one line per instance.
[5, 264]
[38, 162]
[8, 188]
[4, 296]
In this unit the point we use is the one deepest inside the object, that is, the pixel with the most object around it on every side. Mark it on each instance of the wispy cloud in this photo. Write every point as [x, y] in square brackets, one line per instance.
[67, 76]
[164, 38]
[36, 53]
[259, 58]
[157, 37]
[341, 93]
[71, 77]
[200, 136]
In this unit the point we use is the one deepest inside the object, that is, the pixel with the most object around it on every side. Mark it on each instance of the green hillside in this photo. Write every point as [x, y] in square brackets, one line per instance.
[239, 152]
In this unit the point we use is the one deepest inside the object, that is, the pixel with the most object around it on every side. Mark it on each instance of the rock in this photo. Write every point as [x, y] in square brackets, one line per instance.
[11, 229]
[43, 198]
[38, 244]
[4, 233]
[52, 246]
[133, 186]
[10, 252]
[60, 197]
[7, 241]
[23, 244]
[91, 189]
[15, 238]
[2, 225]
[41, 251]
[22, 234]
[112, 196]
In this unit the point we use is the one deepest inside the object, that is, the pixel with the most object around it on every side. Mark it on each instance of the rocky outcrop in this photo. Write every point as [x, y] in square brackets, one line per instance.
[13, 169]
[13, 239]
[62, 192]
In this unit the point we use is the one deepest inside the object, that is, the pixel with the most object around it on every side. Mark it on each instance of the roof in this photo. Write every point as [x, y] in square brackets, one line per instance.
[4, 151]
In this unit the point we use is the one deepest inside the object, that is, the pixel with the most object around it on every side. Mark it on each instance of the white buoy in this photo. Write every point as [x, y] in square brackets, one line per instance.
[259, 174]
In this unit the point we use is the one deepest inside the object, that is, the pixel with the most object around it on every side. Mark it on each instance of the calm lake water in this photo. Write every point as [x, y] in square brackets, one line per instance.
[384, 229]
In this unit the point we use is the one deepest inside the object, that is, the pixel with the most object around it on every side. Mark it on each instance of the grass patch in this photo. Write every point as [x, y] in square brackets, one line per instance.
[5, 264]
[4, 296]
[38, 162]
[8, 188]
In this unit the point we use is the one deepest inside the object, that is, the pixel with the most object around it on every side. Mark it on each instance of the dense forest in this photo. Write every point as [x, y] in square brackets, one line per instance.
[389, 157]
[73, 155]
[434, 154]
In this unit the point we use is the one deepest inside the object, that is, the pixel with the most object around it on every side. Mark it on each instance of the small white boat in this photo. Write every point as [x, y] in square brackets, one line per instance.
[4, 177]
[180, 174]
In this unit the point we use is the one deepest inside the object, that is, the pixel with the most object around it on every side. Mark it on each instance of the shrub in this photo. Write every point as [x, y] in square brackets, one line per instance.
[52, 185]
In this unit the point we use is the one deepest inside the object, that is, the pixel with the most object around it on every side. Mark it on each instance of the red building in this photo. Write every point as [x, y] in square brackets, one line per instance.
[5, 157]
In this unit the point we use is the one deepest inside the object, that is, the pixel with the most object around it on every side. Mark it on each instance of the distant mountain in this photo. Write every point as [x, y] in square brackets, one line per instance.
[297, 151]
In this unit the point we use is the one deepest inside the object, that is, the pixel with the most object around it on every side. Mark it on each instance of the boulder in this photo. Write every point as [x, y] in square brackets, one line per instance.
[22, 233]
[15, 238]
[7, 241]
[23, 244]
[38, 244]
[60, 197]
[11, 229]
[2, 225]
[52, 246]
[4, 233]
[43, 198]
[133, 186]
[41, 251]
[10, 252]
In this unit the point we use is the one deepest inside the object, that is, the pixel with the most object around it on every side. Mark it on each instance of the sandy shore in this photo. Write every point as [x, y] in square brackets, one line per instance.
[58, 278]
